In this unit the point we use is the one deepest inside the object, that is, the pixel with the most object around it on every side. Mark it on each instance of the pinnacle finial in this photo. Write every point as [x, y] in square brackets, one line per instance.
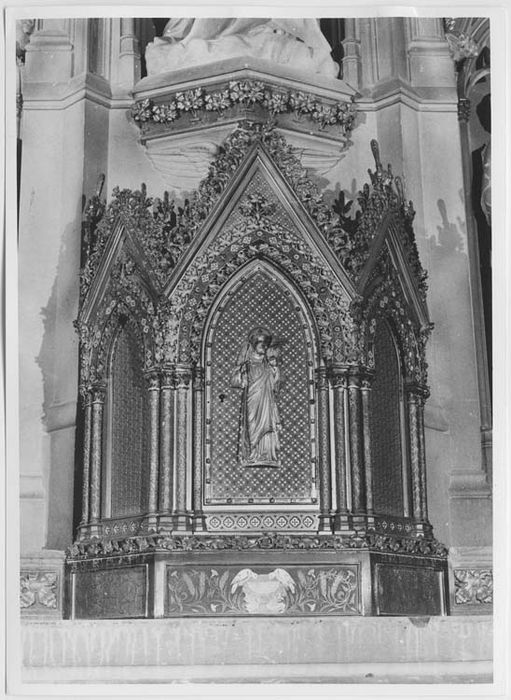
[100, 183]
[375, 148]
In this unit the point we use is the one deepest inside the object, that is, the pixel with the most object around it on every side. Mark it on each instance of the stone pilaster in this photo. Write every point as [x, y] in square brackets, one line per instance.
[129, 55]
[351, 62]
[428, 53]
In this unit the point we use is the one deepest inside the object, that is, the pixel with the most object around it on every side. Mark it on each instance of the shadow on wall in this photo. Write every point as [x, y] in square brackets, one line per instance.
[58, 362]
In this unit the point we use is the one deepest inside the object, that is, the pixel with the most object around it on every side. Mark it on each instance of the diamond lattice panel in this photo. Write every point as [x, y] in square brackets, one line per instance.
[261, 301]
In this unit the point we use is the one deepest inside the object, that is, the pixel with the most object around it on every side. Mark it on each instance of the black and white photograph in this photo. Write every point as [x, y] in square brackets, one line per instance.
[253, 368]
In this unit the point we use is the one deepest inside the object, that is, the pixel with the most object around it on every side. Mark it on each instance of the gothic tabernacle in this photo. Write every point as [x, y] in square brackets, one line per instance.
[253, 374]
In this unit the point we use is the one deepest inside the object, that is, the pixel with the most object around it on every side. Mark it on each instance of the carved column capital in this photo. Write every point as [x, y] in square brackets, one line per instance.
[153, 380]
[464, 108]
[168, 378]
[182, 378]
[338, 377]
[198, 379]
[322, 378]
[98, 394]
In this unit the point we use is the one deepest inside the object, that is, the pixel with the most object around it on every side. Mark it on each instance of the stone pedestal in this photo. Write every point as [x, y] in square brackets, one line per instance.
[263, 649]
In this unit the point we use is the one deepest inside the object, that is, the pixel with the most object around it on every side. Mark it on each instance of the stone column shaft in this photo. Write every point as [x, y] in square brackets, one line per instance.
[325, 480]
[154, 418]
[339, 390]
[366, 418]
[183, 385]
[166, 442]
[98, 400]
[356, 445]
[86, 458]
[197, 433]
[414, 457]
[422, 459]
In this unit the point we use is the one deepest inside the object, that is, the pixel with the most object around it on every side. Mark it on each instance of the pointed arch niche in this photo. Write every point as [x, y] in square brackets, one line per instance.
[387, 427]
[260, 296]
[125, 476]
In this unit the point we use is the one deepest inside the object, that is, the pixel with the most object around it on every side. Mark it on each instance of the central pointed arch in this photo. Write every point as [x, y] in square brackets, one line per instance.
[259, 294]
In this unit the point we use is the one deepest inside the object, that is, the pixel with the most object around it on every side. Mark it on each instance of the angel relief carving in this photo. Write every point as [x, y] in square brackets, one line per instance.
[257, 374]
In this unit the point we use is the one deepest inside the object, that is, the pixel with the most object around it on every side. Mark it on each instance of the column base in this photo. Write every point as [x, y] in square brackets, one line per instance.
[181, 522]
[199, 522]
[325, 524]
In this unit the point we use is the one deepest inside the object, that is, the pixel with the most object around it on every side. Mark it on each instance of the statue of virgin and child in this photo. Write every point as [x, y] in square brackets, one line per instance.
[257, 374]
[186, 42]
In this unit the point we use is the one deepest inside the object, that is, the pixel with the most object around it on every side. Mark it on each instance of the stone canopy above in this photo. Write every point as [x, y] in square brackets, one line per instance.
[185, 115]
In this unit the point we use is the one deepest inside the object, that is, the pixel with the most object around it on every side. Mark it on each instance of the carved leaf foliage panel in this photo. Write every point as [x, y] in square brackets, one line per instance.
[295, 590]
[261, 301]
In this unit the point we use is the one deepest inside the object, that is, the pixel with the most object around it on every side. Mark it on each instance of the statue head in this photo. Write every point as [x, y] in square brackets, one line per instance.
[260, 339]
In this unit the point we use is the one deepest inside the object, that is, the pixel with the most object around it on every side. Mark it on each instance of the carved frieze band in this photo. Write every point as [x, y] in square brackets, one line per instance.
[295, 590]
[262, 521]
[473, 586]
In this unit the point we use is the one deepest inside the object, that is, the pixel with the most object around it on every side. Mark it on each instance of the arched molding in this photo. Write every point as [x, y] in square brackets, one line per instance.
[386, 301]
[125, 296]
[248, 239]
[277, 275]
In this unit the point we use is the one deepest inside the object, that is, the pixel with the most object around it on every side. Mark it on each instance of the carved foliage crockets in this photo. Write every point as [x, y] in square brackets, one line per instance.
[257, 230]
[385, 195]
[157, 232]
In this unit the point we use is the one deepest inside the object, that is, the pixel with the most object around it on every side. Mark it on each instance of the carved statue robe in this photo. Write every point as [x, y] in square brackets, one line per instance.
[258, 376]
[298, 43]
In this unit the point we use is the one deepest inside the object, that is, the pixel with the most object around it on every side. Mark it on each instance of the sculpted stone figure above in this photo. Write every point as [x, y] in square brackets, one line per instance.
[188, 42]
